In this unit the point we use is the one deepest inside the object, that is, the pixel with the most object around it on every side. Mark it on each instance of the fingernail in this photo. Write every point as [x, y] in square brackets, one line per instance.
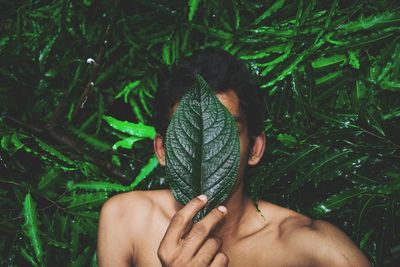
[202, 198]
[222, 209]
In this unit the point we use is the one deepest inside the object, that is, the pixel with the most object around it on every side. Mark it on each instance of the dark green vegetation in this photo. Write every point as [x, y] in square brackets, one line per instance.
[202, 148]
[330, 71]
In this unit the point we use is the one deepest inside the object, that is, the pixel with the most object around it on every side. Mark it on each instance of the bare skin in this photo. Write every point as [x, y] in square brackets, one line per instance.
[150, 228]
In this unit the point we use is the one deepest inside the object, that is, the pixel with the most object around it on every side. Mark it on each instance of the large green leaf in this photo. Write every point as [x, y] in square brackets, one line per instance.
[202, 148]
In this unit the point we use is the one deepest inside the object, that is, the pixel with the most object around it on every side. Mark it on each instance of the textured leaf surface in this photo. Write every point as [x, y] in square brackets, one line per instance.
[202, 148]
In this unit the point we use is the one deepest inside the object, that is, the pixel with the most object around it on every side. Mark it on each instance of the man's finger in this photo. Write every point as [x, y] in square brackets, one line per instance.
[220, 260]
[207, 252]
[182, 219]
[202, 229]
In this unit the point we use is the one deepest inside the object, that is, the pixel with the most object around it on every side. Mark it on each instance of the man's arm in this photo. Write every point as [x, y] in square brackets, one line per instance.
[328, 246]
[114, 247]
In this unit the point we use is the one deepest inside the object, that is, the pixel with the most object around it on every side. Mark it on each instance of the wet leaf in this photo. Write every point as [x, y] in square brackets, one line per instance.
[336, 201]
[134, 129]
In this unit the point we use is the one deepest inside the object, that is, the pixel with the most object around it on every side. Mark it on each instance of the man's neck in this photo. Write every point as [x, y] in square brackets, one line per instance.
[239, 206]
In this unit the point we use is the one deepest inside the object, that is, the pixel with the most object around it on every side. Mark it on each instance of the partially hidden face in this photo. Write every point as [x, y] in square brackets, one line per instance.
[231, 101]
[206, 146]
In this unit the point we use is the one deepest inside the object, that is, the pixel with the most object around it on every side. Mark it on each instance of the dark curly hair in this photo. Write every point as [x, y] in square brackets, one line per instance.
[222, 72]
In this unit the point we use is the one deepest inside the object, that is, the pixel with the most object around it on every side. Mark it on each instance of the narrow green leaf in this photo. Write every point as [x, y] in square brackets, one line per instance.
[5, 142]
[193, 4]
[31, 227]
[329, 77]
[144, 101]
[74, 234]
[113, 187]
[87, 2]
[315, 170]
[91, 140]
[293, 64]
[145, 171]
[360, 215]
[390, 85]
[97, 186]
[366, 237]
[392, 115]
[369, 22]
[336, 201]
[89, 200]
[94, 215]
[235, 6]
[134, 129]
[361, 90]
[83, 257]
[16, 142]
[275, 7]
[127, 90]
[3, 42]
[54, 152]
[47, 49]
[353, 60]
[127, 142]
[136, 110]
[115, 160]
[271, 64]
[287, 139]
[166, 53]
[56, 243]
[327, 61]
[202, 148]
[214, 32]
[340, 121]
[48, 177]
[332, 157]
[296, 159]
[374, 119]
[28, 257]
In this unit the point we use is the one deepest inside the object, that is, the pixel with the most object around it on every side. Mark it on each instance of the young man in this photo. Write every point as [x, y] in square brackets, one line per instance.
[150, 228]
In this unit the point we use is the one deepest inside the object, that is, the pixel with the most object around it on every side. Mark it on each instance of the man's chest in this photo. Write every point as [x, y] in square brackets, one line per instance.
[252, 253]
[260, 254]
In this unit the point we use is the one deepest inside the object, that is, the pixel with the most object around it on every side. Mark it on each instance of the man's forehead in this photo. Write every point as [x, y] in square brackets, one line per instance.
[230, 100]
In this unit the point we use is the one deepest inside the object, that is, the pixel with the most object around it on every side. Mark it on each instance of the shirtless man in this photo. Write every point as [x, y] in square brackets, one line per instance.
[150, 228]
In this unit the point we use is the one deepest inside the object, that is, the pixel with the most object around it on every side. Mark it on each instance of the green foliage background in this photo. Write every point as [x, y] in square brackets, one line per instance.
[77, 79]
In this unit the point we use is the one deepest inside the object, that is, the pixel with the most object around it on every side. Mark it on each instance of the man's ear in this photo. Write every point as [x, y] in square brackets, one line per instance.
[257, 150]
[159, 149]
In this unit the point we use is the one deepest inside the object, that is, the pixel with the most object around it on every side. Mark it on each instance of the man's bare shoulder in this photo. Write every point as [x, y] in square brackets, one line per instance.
[125, 221]
[143, 202]
[282, 219]
[318, 241]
